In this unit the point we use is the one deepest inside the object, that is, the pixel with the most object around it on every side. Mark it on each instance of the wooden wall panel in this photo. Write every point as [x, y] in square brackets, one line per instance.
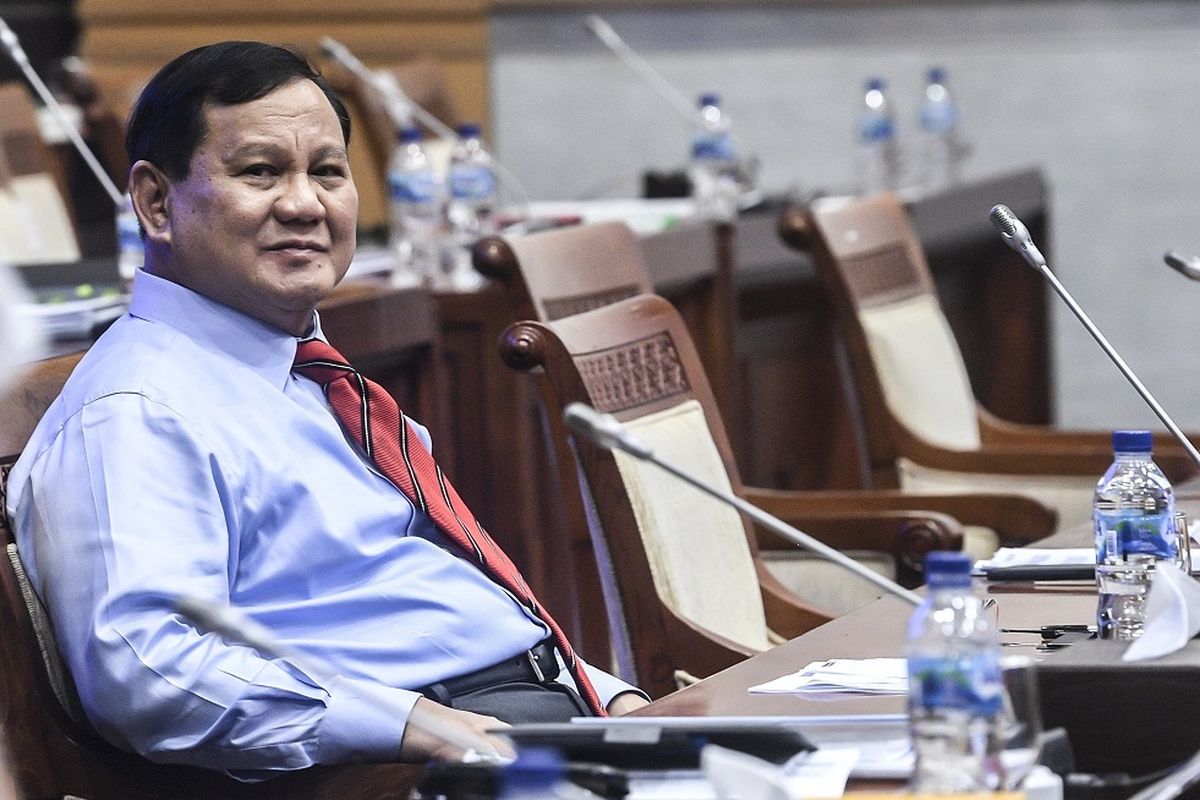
[126, 41]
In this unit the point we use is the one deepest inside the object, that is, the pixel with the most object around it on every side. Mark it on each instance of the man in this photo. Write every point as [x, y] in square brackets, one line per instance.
[185, 456]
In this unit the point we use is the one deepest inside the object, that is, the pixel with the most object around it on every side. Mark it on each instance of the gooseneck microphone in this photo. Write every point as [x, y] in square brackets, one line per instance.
[1016, 236]
[400, 106]
[13, 45]
[605, 431]
[1186, 265]
[640, 67]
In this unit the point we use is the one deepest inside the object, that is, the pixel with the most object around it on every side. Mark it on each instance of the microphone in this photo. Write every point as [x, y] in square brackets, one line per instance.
[1186, 265]
[649, 75]
[605, 431]
[231, 624]
[1016, 236]
[402, 108]
[9, 41]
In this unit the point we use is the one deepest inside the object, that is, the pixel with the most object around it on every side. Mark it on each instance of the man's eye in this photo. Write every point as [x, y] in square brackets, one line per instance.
[330, 171]
[259, 170]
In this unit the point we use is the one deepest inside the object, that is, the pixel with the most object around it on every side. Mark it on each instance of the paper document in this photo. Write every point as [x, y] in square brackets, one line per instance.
[1037, 556]
[872, 676]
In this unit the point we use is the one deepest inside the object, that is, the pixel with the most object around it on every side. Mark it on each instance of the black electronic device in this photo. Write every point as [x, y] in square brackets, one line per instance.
[634, 745]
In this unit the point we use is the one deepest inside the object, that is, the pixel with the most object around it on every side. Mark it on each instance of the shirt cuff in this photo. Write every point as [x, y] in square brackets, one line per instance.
[608, 686]
[363, 722]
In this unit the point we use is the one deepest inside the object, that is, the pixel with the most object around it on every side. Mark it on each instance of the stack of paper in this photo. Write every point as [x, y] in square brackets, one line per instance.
[1036, 556]
[843, 676]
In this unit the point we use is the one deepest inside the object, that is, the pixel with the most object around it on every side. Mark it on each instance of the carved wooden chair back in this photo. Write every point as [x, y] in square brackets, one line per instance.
[922, 422]
[695, 594]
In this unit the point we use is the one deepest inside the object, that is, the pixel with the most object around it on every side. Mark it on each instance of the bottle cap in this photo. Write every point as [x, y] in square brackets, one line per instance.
[947, 568]
[409, 135]
[467, 130]
[710, 99]
[936, 75]
[1132, 442]
[534, 768]
[875, 84]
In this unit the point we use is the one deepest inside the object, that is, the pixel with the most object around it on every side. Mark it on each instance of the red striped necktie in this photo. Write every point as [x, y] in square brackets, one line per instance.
[372, 419]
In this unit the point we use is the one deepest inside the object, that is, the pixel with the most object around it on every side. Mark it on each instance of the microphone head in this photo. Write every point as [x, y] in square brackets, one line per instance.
[1186, 265]
[602, 430]
[1005, 221]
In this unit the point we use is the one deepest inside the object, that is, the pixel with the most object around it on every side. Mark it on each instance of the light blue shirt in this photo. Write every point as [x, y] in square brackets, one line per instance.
[183, 456]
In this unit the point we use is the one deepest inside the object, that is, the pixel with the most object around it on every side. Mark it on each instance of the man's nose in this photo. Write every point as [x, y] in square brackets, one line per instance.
[299, 200]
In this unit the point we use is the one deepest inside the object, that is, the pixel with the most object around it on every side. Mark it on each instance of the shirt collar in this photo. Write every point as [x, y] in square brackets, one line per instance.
[262, 347]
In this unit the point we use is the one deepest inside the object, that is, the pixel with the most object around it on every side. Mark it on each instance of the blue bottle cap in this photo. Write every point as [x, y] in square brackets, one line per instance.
[710, 99]
[534, 768]
[936, 75]
[875, 84]
[410, 135]
[1132, 442]
[944, 568]
[467, 130]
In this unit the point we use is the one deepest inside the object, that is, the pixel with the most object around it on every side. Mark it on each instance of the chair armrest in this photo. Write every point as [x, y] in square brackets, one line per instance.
[787, 614]
[1170, 455]
[1017, 519]
[907, 535]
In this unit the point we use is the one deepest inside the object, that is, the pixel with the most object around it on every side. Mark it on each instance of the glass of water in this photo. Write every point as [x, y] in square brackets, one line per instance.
[1183, 542]
[1020, 726]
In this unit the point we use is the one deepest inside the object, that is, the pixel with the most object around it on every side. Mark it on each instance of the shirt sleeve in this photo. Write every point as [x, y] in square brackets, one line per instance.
[124, 510]
[607, 686]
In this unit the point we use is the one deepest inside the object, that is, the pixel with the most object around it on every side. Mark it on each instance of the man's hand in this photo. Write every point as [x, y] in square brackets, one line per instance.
[446, 734]
[626, 702]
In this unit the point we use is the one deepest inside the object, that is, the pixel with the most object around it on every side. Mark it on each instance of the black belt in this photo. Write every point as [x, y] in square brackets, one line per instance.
[537, 665]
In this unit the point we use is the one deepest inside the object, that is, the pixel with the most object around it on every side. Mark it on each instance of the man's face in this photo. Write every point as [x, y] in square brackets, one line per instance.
[264, 222]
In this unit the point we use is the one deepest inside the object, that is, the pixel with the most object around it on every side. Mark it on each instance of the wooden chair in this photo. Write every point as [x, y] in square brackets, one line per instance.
[696, 594]
[924, 430]
[36, 222]
[53, 750]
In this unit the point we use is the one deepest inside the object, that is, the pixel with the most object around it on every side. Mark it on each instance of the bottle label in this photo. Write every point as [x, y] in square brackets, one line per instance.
[713, 147]
[129, 236]
[969, 683]
[413, 187]
[472, 183]
[1122, 533]
[873, 128]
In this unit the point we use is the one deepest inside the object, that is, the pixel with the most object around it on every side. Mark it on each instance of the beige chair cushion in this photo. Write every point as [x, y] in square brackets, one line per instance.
[1070, 495]
[697, 546]
[34, 224]
[825, 584]
[924, 380]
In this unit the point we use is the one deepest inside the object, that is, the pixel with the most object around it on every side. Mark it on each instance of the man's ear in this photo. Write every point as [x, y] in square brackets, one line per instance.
[149, 187]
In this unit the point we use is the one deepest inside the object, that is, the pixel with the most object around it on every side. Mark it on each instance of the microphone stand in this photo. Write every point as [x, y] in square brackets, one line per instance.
[1016, 236]
[604, 431]
[13, 45]
[649, 75]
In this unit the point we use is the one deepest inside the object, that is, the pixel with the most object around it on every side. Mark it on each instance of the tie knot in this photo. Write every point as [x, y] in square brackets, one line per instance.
[320, 362]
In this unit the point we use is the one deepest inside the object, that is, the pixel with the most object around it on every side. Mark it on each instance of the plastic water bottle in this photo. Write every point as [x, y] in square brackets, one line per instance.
[955, 685]
[941, 148]
[714, 168]
[877, 156]
[416, 210]
[130, 252]
[1132, 508]
[470, 207]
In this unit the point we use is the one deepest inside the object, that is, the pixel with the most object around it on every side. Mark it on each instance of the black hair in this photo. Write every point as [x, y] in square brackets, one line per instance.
[167, 123]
